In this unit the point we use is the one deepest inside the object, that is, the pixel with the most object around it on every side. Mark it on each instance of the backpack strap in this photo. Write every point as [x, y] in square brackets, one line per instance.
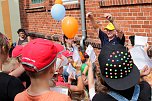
[117, 96]
[136, 93]
[121, 98]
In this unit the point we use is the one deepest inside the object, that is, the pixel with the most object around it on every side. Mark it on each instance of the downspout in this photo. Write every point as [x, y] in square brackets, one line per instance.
[83, 21]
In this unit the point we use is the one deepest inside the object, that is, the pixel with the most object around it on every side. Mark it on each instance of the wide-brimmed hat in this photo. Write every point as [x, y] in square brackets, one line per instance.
[117, 67]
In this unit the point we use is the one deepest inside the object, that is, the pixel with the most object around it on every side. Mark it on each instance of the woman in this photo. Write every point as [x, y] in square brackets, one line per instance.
[9, 85]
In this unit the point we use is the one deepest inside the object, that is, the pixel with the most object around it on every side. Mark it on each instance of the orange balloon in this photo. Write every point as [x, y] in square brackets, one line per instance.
[58, 2]
[70, 27]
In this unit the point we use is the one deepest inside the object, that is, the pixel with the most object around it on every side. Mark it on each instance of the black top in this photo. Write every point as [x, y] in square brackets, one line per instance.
[25, 78]
[105, 40]
[22, 41]
[145, 94]
[9, 87]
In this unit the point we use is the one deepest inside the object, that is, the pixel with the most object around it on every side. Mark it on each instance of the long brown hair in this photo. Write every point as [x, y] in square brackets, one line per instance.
[100, 84]
[4, 44]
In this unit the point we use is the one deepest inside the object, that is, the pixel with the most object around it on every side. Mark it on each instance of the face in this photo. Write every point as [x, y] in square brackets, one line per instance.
[60, 70]
[22, 34]
[110, 33]
[70, 60]
[69, 40]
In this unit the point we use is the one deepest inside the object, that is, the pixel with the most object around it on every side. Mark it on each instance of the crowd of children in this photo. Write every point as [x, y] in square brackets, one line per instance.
[36, 66]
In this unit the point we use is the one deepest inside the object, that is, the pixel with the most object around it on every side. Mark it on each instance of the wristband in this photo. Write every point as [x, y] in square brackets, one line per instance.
[79, 74]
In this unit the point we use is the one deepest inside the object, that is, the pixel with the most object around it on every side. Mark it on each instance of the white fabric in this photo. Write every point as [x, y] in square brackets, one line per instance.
[140, 57]
[141, 40]
[92, 93]
[76, 56]
[71, 70]
[61, 62]
[91, 53]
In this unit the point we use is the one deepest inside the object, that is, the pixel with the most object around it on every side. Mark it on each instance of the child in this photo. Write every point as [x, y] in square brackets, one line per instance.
[38, 59]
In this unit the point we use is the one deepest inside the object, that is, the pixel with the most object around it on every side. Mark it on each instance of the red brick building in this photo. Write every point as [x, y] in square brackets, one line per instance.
[134, 16]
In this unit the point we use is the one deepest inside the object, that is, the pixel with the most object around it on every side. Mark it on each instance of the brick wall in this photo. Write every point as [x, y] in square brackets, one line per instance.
[134, 16]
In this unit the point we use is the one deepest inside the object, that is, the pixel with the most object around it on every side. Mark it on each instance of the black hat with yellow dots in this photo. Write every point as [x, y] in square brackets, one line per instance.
[117, 67]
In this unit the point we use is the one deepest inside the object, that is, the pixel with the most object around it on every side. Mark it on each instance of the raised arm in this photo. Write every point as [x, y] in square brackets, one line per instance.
[80, 85]
[17, 72]
[93, 22]
[90, 74]
[91, 81]
[117, 28]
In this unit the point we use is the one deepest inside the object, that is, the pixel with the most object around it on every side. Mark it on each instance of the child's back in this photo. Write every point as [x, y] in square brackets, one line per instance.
[47, 96]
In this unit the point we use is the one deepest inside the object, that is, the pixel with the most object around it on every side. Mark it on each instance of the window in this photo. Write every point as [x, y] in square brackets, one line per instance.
[37, 1]
[106, 3]
[70, 1]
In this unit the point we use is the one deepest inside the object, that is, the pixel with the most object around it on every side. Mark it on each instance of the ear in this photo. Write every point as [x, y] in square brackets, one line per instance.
[52, 70]
[3, 49]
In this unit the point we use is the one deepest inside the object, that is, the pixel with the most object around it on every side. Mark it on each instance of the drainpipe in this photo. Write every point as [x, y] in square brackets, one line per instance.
[83, 21]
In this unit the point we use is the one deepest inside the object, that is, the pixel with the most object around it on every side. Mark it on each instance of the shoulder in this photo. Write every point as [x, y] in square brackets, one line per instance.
[145, 85]
[100, 31]
[101, 34]
[145, 91]
[15, 81]
[15, 85]
[4, 75]
[10, 79]
[102, 96]
[20, 96]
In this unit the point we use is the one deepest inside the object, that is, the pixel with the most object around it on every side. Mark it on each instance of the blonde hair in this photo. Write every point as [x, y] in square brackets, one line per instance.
[100, 84]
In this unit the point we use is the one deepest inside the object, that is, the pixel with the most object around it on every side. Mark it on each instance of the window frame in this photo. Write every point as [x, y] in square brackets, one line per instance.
[41, 1]
[66, 2]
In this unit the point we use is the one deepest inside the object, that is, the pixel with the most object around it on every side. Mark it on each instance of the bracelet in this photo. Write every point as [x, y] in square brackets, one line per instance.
[79, 74]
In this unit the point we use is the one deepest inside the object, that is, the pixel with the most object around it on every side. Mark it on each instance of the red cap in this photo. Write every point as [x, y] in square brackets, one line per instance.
[59, 47]
[17, 51]
[39, 54]
[67, 53]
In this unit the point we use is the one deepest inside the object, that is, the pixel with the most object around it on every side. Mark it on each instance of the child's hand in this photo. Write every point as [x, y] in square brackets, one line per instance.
[89, 15]
[85, 80]
[145, 71]
[70, 78]
[109, 17]
[89, 63]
